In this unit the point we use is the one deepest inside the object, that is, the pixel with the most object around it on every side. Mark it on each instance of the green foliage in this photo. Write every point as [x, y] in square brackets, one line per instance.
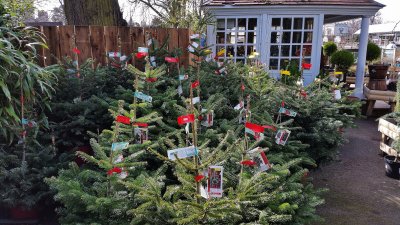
[373, 52]
[342, 59]
[329, 48]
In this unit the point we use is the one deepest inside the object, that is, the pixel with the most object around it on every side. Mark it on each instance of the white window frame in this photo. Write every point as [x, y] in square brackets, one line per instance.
[268, 43]
[245, 44]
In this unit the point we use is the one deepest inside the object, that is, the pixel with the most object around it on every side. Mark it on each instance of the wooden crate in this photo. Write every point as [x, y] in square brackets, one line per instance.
[390, 132]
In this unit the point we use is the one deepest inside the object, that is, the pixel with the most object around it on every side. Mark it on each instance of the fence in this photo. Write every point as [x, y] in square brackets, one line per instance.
[96, 41]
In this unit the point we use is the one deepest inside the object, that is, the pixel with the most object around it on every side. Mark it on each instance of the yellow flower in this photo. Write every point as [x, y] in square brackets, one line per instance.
[285, 72]
[338, 73]
[221, 52]
[207, 51]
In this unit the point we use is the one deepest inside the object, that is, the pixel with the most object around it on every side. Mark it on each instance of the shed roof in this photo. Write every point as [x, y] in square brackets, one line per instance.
[382, 28]
[295, 2]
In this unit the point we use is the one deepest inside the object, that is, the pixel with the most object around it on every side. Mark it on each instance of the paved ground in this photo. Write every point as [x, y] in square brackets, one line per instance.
[359, 192]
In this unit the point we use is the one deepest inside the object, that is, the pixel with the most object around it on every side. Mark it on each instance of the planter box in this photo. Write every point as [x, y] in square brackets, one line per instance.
[390, 132]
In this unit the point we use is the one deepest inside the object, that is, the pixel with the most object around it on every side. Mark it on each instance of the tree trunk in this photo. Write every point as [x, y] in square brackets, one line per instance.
[93, 12]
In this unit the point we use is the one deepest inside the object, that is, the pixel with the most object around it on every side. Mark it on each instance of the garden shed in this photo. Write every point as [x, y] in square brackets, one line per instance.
[284, 30]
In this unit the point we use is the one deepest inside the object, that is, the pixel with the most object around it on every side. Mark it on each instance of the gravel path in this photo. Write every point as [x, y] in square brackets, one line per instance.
[359, 192]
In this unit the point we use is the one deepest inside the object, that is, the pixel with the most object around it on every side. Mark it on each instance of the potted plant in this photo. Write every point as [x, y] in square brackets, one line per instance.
[377, 72]
[390, 144]
[329, 48]
[342, 60]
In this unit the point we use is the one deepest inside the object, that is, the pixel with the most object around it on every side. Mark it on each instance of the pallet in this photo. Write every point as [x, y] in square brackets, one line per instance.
[390, 132]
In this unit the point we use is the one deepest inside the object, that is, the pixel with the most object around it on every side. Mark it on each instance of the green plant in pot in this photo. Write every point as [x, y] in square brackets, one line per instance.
[342, 60]
[377, 72]
[389, 126]
[329, 48]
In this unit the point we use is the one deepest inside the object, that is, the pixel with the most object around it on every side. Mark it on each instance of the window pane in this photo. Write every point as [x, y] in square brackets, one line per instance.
[231, 24]
[307, 50]
[276, 24]
[285, 50]
[230, 38]
[240, 51]
[241, 38]
[242, 24]
[284, 64]
[287, 23]
[251, 37]
[230, 51]
[252, 24]
[309, 24]
[296, 50]
[273, 64]
[275, 37]
[298, 23]
[296, 37]
[220, 38]
[307, 37]
[274, 50]
[250, 49]
[220, 24]
[307, 60]
[286, 37]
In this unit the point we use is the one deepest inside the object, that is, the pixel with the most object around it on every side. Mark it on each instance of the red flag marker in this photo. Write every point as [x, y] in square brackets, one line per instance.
[76, 50]
[123, 119]
[303, 93]
[198, 178]
[283, 104]
[195, 84]
[248, 163]
[114, 170]
[185, 119]
[172, 59]
[242, 87]
[141, 124]
[141, 55]
[306, 66]
[254, 127]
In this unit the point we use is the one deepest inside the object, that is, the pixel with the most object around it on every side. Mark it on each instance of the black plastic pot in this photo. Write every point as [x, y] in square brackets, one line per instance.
[392, 168]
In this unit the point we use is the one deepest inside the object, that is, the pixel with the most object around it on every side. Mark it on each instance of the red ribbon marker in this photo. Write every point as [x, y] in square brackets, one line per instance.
[140, 55]
[198, 178]
[114, 170]
[151, 79]
[76, 50]
[254, 127]
[283, 104]
[248, 163]
[123, 119]
[269, 127]
[306, 66]
[242, 87]
[303, 93]
[185, 119]
[141, 124]
[171, 59]
[195, 84]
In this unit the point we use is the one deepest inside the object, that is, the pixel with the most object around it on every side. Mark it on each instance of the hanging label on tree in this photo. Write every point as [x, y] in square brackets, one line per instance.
[171, 59]
[244, 115]
[143, 49]
[195, 84]
[203, 192]
[208, 119]
[182, 153]
[258, 156]
[254, 127]
[215, 180]
[114, 54]
[180, 90]
[287, 112]
[239, 106]
[123, 58]
[194, 36]
[191, 49]
[195, 100]
[257, 135]
[123, 174]
[185, 119]
[149, 42]
[195, 44]
[123, 119]
[119, 146]
[183, 77]
[143, 97]
[119, 159]
[153, 61]
[282, 136]
[141, 135]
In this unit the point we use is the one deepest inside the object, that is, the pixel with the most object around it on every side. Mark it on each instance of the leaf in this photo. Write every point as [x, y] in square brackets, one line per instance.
[5, 90]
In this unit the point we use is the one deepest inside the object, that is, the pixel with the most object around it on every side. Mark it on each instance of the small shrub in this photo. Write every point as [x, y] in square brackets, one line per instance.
[330, 48]
[342, 59]
[373, 52]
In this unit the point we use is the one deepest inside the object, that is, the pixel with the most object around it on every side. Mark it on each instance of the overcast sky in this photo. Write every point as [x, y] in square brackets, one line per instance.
[389, 14]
